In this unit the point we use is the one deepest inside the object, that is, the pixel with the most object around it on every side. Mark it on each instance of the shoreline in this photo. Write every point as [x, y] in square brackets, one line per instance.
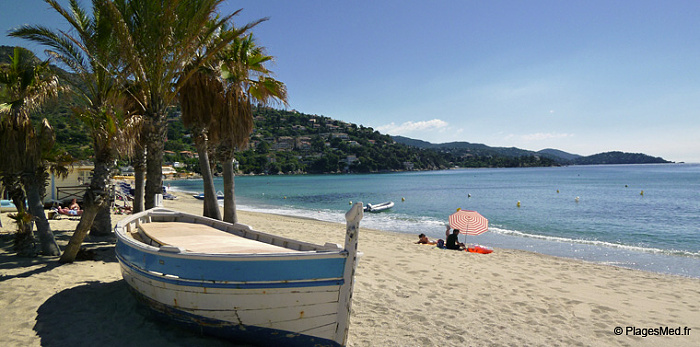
[405, 294]
[657, 260]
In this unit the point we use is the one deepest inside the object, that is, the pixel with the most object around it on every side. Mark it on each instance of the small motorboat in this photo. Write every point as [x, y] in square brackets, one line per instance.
[219, 195]
[379, 207]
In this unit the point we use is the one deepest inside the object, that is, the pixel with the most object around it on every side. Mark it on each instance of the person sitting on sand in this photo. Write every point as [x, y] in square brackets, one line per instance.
[422, 239]
[74, 205]
[73, 209]
[453, 243]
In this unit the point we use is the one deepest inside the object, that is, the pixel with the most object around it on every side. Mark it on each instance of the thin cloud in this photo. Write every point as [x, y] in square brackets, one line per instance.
[539, 136]
[411, 127]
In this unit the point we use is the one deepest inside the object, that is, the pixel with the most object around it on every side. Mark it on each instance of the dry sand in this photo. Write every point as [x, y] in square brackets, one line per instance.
[405, 295]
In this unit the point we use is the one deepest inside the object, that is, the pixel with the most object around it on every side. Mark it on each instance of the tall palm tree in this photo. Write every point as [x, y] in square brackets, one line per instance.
[247, 81]
[201, 99]
[89, 50]
[158, 39]
[26, 86]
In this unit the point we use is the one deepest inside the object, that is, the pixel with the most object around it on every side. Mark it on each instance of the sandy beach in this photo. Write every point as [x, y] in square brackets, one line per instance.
[405, 295]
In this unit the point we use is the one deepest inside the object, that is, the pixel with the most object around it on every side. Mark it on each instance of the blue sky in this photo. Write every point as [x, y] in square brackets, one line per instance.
[581, 76]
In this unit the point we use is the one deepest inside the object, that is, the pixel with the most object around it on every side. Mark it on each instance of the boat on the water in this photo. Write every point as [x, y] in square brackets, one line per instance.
[235, 282]
[379, 207]
[200, 196]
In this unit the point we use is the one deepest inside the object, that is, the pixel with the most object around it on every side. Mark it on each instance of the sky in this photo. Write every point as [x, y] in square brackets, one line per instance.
[584, 77]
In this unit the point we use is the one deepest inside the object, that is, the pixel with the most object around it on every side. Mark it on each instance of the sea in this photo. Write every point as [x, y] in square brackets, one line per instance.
[644, 217]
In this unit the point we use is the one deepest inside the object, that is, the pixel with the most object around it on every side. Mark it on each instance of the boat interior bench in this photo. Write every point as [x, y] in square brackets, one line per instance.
[200, 238]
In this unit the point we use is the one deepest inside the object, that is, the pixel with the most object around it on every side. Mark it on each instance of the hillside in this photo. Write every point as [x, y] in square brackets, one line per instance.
[560, 157]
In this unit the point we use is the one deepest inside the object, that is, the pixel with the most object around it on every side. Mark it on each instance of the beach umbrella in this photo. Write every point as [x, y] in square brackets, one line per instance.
[469, 222]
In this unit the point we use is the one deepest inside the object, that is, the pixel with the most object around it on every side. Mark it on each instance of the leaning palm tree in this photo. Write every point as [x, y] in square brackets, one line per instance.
[26, 86]
[157, 40]
[89, 51]
[247, 80]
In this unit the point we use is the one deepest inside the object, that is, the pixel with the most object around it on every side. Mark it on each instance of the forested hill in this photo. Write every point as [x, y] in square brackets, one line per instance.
[560, 157]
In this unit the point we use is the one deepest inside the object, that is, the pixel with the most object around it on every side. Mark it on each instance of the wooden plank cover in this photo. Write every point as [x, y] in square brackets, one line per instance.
[201, 238]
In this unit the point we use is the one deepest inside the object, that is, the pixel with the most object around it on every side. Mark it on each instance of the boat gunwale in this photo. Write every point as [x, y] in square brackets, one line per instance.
[120, 231]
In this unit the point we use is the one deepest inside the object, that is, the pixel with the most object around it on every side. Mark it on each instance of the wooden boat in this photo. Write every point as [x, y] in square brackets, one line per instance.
[238, 283]
[379, 207]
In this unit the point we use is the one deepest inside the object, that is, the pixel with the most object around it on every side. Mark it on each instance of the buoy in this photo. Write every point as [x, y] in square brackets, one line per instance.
[518, 204]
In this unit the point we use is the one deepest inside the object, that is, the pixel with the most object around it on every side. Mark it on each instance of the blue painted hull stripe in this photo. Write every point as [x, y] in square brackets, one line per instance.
[230, 285]
[232, 269]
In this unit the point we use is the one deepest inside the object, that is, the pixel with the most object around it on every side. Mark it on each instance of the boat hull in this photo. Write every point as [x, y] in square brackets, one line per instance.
[295, 298]
[379, 207]
[243, 315]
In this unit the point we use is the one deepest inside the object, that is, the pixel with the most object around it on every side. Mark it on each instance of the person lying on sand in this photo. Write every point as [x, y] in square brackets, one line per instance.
[422, 239]
[69, 212]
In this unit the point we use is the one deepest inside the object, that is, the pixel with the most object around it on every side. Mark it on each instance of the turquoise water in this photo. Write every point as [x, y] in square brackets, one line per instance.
[593, 213]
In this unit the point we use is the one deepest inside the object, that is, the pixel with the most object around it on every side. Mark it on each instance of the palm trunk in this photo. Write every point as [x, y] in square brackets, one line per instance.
[225, 156]
[95, 199]
[89, 212]
[139, 163]
[102, 224]
[154, 163]
[35, 189]
[16, 195]
[24, 243]
[211, 203]
[229, 192]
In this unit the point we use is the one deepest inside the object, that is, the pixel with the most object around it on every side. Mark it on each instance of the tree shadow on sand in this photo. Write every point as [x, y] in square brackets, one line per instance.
[92, 249]
[105, 314]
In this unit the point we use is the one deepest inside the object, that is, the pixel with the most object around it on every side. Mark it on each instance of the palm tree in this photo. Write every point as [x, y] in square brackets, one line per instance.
[158, 39]
[201, 99]
[247, 81]
[89, 51]
[26, 86]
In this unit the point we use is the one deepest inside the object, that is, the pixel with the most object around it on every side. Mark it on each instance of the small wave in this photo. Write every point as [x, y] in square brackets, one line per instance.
[597, 243]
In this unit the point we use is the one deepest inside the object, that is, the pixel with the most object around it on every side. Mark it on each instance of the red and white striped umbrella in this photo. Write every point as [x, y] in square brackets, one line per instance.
[469, 222]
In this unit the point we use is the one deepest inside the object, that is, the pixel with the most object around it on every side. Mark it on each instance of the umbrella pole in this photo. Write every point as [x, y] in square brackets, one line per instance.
[465, 235]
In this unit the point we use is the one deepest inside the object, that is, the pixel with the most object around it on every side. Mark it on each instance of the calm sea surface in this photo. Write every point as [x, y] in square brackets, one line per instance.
[637, 216]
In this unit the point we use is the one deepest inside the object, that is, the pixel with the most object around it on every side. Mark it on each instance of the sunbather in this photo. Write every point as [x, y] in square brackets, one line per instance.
[422, 239]
[69, 212]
